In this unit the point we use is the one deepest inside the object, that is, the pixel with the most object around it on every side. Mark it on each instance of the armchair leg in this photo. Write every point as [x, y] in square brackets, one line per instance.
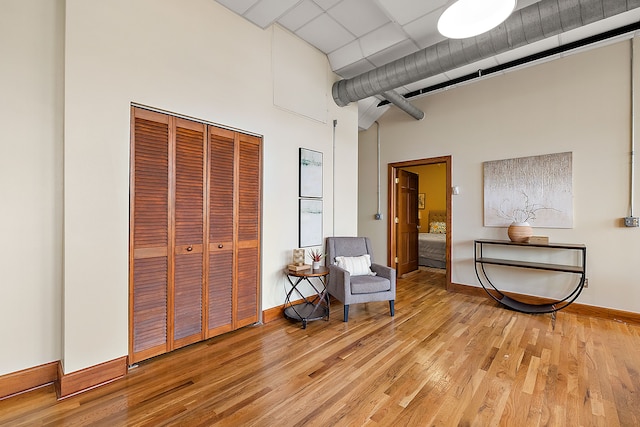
[346, 313]
[392, 307]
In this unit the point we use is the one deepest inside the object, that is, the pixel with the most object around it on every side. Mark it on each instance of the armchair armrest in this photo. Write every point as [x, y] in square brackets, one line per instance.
[383, 271]
[386, 272]
[339, 279]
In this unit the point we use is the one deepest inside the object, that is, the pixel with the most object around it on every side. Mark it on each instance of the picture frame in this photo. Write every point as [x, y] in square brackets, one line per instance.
[310, 232]
[421, 200]
[310, 176]
[535, 189]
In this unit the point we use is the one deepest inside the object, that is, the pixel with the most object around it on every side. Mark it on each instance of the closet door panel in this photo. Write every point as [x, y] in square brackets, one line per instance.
[220, 297]
[189, 196]
[149, 239]
[221, 230]
[149, 307]
[187, 300]
[247, 294]
[221, 183]
[248, 272]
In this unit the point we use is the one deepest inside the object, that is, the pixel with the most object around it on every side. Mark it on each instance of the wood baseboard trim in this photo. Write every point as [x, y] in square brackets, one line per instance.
[86, 379]
[28, 379]
[576, 308]
[277, 312]
[273, 313]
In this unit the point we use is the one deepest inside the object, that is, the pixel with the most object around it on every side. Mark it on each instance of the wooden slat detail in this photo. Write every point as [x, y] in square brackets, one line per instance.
[220, 289]
[247, 295]
[149, 303]
[188, 295]
[151, 183]
[221, 185]
[189, 170]
[150, 252]
[249, 188]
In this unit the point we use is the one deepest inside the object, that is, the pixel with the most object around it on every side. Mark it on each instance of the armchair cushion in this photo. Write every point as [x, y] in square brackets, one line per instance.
[369, 284]
[356, 266]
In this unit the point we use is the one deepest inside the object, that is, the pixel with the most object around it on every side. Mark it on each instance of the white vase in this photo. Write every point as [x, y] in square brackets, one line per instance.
[315, 265]
[519, 232]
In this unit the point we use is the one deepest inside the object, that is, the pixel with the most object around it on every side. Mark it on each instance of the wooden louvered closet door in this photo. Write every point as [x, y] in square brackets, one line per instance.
[149, 235]
[221, 230]
[189, 228]
[194, 232]
[249, 166]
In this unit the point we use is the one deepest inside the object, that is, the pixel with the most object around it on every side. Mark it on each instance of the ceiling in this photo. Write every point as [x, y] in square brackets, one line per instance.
[360, 35]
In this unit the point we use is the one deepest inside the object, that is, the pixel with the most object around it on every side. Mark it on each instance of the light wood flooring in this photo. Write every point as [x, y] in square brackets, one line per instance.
[445, 359]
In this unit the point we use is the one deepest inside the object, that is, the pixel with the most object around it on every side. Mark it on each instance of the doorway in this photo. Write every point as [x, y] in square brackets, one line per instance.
[412, 210]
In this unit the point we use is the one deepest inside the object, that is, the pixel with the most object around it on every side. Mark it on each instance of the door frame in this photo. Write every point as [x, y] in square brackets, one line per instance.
[392, 203]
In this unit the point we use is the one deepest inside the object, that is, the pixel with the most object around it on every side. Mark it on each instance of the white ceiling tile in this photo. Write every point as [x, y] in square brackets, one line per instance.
[424, 31]
[238, 6]
[325, 34]
[355, 69]
[346, 55]
[381, 38]
[402, 49]
[301, 14]
[405, 11]
[359, 16]
[266, 12]
[326, 4]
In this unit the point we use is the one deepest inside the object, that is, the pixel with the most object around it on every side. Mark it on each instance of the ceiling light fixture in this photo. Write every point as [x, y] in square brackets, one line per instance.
[468, 18]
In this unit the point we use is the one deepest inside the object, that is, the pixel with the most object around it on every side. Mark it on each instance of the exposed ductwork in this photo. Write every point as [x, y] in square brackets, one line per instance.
[539, 21]
[399, 101]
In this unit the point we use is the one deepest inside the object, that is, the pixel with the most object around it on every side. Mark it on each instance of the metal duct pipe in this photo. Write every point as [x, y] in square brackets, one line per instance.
[536, 22]
[401, 102]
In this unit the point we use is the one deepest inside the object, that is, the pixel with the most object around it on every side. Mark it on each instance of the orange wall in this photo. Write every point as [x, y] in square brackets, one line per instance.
[432, 182]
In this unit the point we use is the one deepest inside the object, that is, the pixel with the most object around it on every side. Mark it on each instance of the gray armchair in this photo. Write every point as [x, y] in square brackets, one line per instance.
[350, 289]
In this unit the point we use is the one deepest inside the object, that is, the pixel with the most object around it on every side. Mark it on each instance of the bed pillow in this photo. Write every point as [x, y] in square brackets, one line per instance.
[438, 227]
[357, 265]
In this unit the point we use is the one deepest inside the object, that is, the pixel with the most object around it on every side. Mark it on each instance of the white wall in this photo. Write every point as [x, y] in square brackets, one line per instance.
[31, 46]
[579, 103]
[192, 57]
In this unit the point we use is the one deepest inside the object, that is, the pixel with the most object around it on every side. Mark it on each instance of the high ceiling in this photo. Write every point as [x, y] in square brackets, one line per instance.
[360, 35]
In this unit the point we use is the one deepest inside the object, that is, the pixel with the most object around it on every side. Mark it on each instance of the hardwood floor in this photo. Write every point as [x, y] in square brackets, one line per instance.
[445, 359]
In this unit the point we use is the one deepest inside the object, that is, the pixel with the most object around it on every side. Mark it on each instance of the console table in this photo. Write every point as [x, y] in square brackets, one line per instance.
[313, 307]
[579, 270]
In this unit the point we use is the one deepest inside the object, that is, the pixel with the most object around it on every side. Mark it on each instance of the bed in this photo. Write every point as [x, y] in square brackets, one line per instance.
[432, 245]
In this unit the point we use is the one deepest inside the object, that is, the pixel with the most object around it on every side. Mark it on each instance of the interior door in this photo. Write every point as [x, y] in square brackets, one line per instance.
[407, 222]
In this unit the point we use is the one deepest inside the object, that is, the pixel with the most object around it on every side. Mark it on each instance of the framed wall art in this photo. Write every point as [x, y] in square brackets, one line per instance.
[535, 189]
[310, 173]
[310, 222]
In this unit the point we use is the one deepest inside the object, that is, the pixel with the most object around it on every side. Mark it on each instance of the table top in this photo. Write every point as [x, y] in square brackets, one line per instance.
[318, 272]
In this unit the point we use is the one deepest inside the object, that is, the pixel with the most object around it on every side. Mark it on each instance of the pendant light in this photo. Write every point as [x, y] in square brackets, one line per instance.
[469, 18]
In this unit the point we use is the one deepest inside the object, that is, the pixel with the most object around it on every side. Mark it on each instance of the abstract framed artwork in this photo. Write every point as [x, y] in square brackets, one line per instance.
[535, 189]
[421, 200]
[310, 173]
[310, 223]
